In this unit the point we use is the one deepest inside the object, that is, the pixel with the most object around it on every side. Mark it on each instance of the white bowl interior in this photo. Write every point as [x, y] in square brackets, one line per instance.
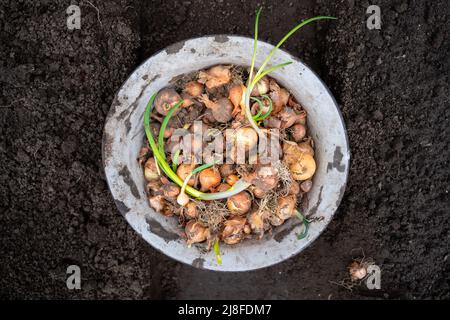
[124, 132]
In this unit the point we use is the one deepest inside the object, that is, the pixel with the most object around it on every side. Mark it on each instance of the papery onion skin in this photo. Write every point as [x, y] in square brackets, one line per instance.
[165, 100]
[194, 88]
[150, 170]
[240, 203]
[209, 178]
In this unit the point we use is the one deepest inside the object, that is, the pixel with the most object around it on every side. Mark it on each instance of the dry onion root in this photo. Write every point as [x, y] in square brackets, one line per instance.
[235, 202]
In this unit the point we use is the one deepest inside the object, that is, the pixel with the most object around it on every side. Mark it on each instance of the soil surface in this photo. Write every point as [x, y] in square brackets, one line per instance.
[56, 87]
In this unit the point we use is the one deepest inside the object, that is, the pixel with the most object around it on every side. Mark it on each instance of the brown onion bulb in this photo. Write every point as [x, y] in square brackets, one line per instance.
[246, 138]
[215, 76]
[306, 186]
[196, 232]
[235, 94]
[226, 170]
[233, 231]
[221, 109]
[223, 187]
[305, 147]
[165, 100]
[240, 203]
[191, 211]
[298, 132]
[295, 188]
[232, 179]
[286, 206]
[193, 88]
[170, 190]
[261, 87]
[304, 168]
[150, 170]
[184, 170]
[357, 271]
[258, 192]
[157, 202]
[209, 178]
[256, 223]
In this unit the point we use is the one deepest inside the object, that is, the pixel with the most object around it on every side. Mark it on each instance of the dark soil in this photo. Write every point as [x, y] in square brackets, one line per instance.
[57, 86]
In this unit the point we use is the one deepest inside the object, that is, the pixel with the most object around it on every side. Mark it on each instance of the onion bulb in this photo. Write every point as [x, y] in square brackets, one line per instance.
[256, 223]
[191, 210]
[170, 190]
[240, 203]
[246, 138]
[304, 168]
[223, 187]
[261, 87]
[233, 231]
[286, 206]
[226, 170]
[157, 202]
[236, 96]
[215, 76]
[295, 188]
[195, 232]
[143, 152]
[298, 132]
[154, 185]
[257, 192]
[184, 170]
[265, 177]
[232, 179]
[306, 147]
[183, 199]
[279, 96]
[209, 178]
[306, 185]
[193, 88]
[357, 271]
[150, 170]
[187, 100]
[221, 109]
[165, 100]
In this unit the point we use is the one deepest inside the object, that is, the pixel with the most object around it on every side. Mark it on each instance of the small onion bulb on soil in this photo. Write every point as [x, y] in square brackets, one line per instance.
[357, 270]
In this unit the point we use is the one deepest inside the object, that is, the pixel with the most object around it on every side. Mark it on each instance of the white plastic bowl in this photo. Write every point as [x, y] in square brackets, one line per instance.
[124, 132]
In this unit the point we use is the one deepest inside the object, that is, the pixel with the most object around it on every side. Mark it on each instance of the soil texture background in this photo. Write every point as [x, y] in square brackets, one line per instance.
[57, 85]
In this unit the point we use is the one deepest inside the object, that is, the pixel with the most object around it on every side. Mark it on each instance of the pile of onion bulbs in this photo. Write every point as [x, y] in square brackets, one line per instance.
[215, 97]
